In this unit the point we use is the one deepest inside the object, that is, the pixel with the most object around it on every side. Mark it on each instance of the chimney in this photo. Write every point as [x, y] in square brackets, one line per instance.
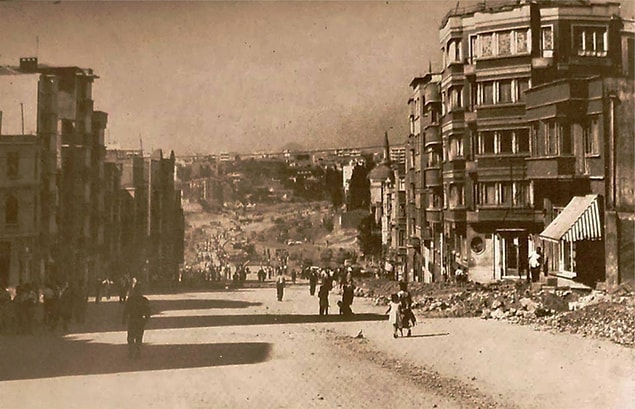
[28, 64]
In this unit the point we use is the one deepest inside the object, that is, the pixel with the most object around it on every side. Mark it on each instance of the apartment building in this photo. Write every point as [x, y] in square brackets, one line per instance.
[19, 209]
[536, 139]
[424, 189]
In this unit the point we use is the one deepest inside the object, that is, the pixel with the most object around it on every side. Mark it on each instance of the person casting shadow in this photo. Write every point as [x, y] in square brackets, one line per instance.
[136, 314]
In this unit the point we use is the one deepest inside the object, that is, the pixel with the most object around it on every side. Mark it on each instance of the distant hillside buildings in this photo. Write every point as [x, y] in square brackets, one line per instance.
[523, 139]
[71, 210]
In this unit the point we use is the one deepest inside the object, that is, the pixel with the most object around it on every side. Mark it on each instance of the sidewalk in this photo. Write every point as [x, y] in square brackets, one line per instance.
[515, 364]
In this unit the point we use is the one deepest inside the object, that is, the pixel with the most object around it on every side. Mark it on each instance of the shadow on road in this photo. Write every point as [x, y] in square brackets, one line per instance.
[256, 319]
[113, 322]
[189, 304]
[72, 358]
[440, 334]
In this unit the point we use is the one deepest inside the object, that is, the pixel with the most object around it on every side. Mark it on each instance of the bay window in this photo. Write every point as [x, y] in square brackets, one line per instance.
[590, 40]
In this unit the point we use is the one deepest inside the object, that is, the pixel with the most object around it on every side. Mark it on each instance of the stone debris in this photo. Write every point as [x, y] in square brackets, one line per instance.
[606, 313]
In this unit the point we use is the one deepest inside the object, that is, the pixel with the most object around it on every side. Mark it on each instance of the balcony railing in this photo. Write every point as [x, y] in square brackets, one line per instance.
[550, 167]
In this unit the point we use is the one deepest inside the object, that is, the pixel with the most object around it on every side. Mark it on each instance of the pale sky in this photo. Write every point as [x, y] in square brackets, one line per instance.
[200, 77]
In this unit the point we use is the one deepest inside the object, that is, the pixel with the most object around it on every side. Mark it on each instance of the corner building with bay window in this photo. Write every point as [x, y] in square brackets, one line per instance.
[536, 143]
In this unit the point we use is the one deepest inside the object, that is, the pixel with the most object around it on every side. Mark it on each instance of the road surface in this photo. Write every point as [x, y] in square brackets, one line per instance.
[243, 349]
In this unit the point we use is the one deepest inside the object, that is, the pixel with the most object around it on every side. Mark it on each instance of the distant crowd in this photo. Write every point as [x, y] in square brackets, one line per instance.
[32, 307]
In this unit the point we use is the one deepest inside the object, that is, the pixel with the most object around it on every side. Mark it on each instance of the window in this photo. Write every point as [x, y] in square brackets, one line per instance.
[504, 43]
[551, 139]
[546, 41]
[433, 159]
[505, 193]
[454, 52]
[444, 101]
[486, 45]
[502, 92]
[591, 137]
[456, 97]
[505, 92]
[565, 139]
[506, 142]
[500, 43]
[487, 194]
[590, 40]
[487, 142]
[456, 147]
[521, 42]
[13, 164]
[401, 238]
[514, 194]
[11, 211]
[456, 195]
[473, 48]
[522, 140]
[522, 84]
[521, 194]
[477, 245]
[487, 95]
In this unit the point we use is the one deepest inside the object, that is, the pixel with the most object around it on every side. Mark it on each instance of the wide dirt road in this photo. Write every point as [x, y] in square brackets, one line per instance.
[243, 349]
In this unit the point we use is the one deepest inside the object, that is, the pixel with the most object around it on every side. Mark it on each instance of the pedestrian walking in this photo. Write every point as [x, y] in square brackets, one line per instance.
[394, 315]
[136, 314]
[535, 262]
[65, 308]
[323, 296]
[408, 319]
[280, 282]
[348, 293]
[313, 279]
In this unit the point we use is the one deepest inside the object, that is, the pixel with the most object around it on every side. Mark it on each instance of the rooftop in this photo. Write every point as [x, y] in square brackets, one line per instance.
[502, 5]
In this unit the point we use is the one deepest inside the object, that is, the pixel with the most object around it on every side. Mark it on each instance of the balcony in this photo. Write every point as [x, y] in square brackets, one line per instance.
[505, 166]
[434, 215]
[432, 177]
[503, 213]
[470, 166]
[469, 69]
[470, 116]
[455, 115]
[431, 94]
[553, 167]
[455, 214]
[432, 135]
[541, 62]
[495, 111]
[456, 165]
[455, 68]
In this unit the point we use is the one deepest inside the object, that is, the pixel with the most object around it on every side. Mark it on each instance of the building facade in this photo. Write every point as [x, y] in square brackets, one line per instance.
[534, 116]
[19, 209]
[68, 213]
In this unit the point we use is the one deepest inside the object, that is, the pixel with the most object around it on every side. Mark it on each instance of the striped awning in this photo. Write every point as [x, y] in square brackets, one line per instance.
[579, 220]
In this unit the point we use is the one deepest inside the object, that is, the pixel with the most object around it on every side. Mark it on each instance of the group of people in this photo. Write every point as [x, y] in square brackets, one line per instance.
[54, 303]
[326, 278]
[400, 314]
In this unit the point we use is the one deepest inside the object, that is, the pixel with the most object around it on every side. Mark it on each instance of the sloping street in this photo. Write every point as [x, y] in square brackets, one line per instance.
[242, 348]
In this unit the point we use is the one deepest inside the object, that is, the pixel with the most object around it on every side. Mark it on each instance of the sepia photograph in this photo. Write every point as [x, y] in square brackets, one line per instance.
[317, 204]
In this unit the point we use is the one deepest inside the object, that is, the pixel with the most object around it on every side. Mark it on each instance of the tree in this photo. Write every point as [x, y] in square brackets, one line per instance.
[369, 236]
[333, 181]
[359, 191]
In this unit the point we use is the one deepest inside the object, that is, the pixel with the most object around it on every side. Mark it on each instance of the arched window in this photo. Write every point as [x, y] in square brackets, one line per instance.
[11, 210]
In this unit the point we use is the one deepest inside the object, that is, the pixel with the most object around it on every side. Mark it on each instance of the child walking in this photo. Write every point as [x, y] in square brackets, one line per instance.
[394, 315]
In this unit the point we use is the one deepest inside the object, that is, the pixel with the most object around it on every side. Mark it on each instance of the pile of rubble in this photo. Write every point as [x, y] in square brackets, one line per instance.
[600, 314]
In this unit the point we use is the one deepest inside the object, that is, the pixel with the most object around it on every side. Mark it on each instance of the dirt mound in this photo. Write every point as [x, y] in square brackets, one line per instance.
[598, 314]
